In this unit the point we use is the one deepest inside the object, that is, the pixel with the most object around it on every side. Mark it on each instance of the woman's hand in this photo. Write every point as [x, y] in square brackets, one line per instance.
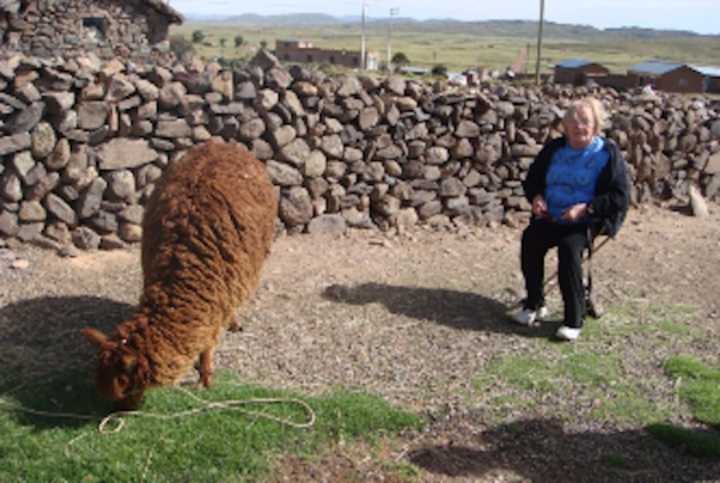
[575, 212]
[539, 207]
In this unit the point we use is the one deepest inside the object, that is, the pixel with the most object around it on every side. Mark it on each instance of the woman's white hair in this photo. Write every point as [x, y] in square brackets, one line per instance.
[596, 108]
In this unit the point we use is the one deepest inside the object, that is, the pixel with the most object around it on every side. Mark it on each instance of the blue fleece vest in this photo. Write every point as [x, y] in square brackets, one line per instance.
[572, 176]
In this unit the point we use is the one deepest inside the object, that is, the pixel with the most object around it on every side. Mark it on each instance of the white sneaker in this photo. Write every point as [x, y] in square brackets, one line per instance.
[528, 316]
[567, 333]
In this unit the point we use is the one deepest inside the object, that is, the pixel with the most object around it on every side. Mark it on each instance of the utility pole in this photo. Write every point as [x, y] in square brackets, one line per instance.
[393, 11]
[539, 43]
[363, 54]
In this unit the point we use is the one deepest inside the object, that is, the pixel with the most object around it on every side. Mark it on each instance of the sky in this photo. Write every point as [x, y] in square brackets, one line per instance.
[702, 16]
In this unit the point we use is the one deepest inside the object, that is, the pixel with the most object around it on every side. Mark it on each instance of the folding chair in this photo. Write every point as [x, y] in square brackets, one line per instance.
[551, 282]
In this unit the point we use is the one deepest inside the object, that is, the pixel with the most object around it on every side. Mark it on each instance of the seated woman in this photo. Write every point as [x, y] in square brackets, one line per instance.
[578, 187]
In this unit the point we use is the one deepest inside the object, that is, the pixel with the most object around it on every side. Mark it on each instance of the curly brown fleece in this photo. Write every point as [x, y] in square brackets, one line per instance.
[207, 230]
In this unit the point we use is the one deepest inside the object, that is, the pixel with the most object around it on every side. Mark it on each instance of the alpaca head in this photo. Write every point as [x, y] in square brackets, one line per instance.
[122, 372]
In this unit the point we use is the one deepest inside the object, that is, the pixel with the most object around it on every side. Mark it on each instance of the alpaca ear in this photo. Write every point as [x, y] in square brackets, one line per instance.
[96, 337]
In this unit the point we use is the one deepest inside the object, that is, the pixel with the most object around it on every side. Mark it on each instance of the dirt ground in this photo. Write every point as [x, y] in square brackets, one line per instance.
[415, 317]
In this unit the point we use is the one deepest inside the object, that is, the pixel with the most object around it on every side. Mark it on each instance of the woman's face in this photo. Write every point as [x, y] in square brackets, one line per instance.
[580, 128]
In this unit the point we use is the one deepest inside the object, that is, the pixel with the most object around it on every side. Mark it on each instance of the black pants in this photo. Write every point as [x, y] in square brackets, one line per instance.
[571, 239]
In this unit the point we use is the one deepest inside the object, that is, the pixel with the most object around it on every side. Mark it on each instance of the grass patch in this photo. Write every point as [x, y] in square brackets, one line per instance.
[514, 383]
[212, 446]
[624, 403]
[521, 372]
[699, 387]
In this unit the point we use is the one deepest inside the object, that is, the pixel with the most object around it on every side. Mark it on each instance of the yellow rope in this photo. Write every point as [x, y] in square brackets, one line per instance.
[206, 406]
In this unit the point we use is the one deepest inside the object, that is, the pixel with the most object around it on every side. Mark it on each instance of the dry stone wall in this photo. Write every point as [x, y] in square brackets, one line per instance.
[83, 143]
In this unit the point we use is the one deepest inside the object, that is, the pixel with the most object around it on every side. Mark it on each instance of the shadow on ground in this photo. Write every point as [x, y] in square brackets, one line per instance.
[540, 450]
[45, 363]
[453, 308]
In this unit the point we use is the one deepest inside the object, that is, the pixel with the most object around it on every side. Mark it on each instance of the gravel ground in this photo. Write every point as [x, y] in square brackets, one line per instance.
[415, 317]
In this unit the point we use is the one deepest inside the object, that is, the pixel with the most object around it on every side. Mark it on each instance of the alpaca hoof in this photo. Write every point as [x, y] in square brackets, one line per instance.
[236, 324]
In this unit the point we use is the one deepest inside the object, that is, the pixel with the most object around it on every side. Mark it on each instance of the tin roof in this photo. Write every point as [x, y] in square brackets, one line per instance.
[706, 70]
[573, 63]
[655, 67]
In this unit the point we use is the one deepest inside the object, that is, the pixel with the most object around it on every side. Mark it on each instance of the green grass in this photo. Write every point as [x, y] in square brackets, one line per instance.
[591, 373]
[699, 387]
[212, 446]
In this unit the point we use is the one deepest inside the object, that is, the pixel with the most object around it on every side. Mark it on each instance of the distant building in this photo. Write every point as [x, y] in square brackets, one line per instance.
[578, 71]
[414, 70]
[457, 78]
[304, 51]
[675, 77]
[711, 75]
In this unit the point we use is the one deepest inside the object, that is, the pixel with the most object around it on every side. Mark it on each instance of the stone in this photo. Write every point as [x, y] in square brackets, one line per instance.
[296, 152]
[292, 102]
[130, 232]
[251, 129]
[171, 95]
[125, 153]
[85, 238]
[25, 120]
[60, 209]
[267, 99]
[333, 146]
[284, 135]
[58, 231]
[437, 155]
[173, 129]
[467, 129]
[147, 90]
[132, 214]
[349, 86]
[8, 223]
[29, 231]
[90, 200]
[112, 242]
[92, 114]
[296, 207]
[698, 204]
[332, 224]
[119, 89]
[396, 85]
[283, 174]
[31, 211]
[59, 102]
[315, 164]
[122, 185]
[42, 140]
[45, 185]
[11, 187]
[23, 162]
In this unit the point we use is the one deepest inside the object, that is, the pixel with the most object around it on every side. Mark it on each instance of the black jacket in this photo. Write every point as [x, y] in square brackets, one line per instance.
[612, 191]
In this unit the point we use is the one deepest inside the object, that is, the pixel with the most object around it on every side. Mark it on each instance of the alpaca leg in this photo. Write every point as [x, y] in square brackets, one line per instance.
[206, 366]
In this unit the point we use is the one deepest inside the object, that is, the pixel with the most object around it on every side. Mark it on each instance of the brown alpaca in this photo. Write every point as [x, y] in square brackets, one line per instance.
[207, 229]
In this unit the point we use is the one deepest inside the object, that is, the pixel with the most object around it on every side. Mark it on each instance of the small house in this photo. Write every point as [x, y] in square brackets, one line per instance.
[108, 28]
[578, 71]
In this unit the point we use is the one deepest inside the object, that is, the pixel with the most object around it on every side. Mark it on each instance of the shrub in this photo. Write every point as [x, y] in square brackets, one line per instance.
[181, 46]
[198, 36]
[439, 69]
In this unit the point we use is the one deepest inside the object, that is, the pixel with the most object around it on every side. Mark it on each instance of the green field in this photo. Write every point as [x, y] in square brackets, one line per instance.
[459, 50]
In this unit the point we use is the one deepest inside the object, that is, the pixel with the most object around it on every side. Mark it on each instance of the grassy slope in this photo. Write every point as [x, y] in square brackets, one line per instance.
[459, 50]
